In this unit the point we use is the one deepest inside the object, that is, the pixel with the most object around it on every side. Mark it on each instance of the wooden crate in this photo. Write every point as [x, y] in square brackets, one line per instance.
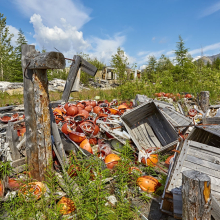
[201, 152]
[149, 128]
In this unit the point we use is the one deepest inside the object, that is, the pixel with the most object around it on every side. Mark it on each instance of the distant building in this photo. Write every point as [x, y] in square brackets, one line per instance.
[108, 73]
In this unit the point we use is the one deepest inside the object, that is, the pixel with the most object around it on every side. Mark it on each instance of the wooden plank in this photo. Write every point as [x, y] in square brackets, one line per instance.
[203, 169]
[156, 130]
[12, 139]
[204, 155]
[175, 174]
[168, 147]
[151, 135]
[202, 162]
[132, 136]
[143, 133]
[160, 123]
[19, 162]
[71, 78]
[215, 208]
[139, 138]
[204, 147]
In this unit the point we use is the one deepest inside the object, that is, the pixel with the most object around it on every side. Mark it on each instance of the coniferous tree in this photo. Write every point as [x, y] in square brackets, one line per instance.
[17, 75]
[181, 52]
[7, 53]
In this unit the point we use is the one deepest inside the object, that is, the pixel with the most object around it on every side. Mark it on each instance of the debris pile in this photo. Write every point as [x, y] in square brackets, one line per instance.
[163, 150]
[102, 128]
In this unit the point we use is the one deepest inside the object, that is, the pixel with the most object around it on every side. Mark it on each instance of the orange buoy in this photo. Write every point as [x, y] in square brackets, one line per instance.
[111, 160]
[151, 160]
[32, 190]
[167, 162]
[148, 183]
[86, 146]
[66, 206]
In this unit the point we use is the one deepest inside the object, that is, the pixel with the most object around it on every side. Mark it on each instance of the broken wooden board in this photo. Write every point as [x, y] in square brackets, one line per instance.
[176, 118]
[148, 127]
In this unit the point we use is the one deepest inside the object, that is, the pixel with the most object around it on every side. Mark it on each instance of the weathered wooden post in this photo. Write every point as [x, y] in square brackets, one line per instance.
[196, 195]
[204, 100]
[36, 107]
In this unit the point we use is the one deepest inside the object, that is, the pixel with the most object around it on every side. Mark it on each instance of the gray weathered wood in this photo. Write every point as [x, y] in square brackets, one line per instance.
[215, 208]
[71, 78]
[36, 107]
[49, 60]
[204, 100]
[196, 195]
[177, 203]
[12, 139]
[57, 138]
[76, 86]
[88, 67]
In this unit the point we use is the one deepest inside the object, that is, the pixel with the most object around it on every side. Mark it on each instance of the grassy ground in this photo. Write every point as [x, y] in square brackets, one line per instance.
[128, 91]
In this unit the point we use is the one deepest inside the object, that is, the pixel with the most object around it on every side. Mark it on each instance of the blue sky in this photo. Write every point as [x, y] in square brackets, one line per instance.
[97, 27]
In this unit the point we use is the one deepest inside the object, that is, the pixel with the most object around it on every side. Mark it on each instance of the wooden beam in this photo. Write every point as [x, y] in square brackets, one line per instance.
[49, 60]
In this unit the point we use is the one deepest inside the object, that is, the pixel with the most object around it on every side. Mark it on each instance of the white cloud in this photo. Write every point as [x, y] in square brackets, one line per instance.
[171, 52]
[141, 53]
[210, 10]
[64, 39]
[52, 10]
[143, 67]
[153, 39]
[13, 30]
[105, 48]
[206, 48]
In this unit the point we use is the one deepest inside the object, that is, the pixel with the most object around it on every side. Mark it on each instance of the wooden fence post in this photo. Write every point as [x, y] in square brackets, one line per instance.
[196, 195]
[204, 100]
[36, 107]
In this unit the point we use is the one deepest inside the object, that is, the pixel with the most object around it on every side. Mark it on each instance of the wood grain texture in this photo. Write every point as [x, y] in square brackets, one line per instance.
[196, 195]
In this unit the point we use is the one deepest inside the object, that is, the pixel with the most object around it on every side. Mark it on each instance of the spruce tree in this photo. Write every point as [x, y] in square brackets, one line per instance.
[17, 72]
[181, 52]
[7, 53]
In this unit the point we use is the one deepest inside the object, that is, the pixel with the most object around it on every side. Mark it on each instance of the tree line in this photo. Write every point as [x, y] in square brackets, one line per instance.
[10, 56]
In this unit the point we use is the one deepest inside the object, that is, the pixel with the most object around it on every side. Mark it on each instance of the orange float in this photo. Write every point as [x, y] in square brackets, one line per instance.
[21, 131]
[97, 109]
[84, 113]
[32, 190]
[72, 110]
[167, 162]
[93, 103]
[113, 111]
[66, 206]
[148, 183]
[189, 96]
[111, 160]
[86, 146]
[77, 137]
[80, 105]
[151, 160]
[13, 184]
[88, 108]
